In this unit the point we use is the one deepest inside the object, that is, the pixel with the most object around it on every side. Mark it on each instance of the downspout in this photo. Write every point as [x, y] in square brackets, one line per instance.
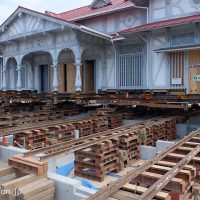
[146, 8]
[147, 42]
[115, 64]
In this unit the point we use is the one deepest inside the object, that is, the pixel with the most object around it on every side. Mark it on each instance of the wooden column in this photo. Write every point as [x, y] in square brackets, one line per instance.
[19, 78]
[55, 76]
[4, 85]
[78, 82]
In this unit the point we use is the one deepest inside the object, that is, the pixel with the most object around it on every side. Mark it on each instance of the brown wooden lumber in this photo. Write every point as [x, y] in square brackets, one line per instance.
[120, 194]
[48, 194]
[15, 184]
[183, 174]
[7, 171]
[133, 174]
[35, 188]
[139, 190]
[192, 169]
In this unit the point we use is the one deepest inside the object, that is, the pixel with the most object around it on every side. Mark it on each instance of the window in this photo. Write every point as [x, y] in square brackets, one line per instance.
[130, 67]
[182, 39]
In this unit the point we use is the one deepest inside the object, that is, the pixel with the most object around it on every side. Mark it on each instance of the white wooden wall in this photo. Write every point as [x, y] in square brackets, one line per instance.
[167, 9]
[110, 24]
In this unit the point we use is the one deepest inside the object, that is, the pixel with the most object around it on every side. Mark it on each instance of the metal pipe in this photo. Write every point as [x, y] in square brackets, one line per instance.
[141, 7]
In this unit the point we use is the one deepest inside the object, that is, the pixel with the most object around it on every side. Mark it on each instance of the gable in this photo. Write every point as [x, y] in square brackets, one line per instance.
[24, 22]
[26, 25]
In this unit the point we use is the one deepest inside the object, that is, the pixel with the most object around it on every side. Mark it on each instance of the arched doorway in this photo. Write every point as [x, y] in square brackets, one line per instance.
[11, 74]
[89, 70]
[37, 72]
[66, 71]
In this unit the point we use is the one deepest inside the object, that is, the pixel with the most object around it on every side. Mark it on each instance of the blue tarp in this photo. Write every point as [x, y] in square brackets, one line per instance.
[65, 170]
[88, 185]
[113, 175]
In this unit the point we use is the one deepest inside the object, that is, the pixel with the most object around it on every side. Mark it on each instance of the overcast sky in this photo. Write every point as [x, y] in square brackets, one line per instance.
[8, 6]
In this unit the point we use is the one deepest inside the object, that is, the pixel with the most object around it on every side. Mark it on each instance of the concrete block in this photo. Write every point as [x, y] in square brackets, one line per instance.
[163, 145]
[147, 152]
[8, 152]
[181, 130]
[85, 191]
[60, 162]
[68, 188]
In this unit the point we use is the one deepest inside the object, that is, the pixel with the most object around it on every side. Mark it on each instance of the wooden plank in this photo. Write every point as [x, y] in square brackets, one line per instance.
[6, 171]
[120, 194]
[175, 155]
[171, 164]
[35, 188]
[158, 176]
[193, 59]
[168, 168]
[139, 189]
[71, 75]
[48, 194]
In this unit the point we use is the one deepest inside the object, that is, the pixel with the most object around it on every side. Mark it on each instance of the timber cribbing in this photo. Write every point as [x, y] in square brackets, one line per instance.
[87, 141]
[172, 171]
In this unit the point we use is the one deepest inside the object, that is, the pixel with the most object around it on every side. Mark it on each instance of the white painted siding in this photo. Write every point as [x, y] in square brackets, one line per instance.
[115, 22]
[164, 9]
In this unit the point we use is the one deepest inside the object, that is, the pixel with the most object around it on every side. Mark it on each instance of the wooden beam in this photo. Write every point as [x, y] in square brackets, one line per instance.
[139, 189]
[6, 171]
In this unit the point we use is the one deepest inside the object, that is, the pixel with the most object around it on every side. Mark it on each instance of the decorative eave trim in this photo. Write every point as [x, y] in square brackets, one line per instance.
[20, 10]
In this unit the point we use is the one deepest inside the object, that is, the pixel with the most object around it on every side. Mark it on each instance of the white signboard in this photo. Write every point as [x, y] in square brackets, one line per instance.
[196, 78]
[176, 81]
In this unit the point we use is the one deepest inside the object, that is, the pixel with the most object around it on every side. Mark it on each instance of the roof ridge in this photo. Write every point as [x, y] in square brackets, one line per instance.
[73, 9]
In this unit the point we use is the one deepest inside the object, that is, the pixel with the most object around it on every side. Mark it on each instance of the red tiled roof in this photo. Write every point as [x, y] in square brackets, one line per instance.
[87, 11]
[162, 24]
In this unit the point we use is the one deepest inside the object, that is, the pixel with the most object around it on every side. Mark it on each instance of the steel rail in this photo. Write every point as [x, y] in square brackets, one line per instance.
[90, 140]
[47, 124]
[112, 188]
[82, 139]
[161, 183]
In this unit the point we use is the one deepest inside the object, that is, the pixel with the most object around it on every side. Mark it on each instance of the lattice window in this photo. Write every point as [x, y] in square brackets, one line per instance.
[182, 39]
[130, 67]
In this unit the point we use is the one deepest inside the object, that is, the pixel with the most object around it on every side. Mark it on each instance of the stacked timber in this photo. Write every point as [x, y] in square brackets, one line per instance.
[61, 133]
[33, 139]
[30, 164]
[104, 111]
[170, 129]
[127, 115]
[129, 143]
[123, 159]
[159, 132]
[71, 112]
[94, 162]
[5, 122]
[39, 189]
[114, 121]
[56, 115]
[146, 136]
[42, 116]
[85, 127]
[100, 124]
